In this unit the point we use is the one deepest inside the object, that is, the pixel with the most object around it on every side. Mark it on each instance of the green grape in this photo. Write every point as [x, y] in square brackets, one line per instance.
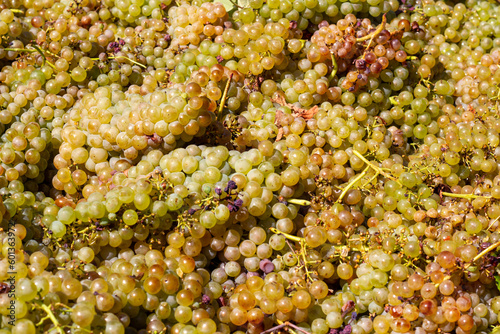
[58, 229]
[130, 217]
[141, 201]
[66, 215]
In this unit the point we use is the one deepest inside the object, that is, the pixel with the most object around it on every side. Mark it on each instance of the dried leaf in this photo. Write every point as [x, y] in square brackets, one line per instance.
[280, 99]
[308, 114]
[280, 134]
[278, 118]
[347, 307]
[254, 83]
[296, 112]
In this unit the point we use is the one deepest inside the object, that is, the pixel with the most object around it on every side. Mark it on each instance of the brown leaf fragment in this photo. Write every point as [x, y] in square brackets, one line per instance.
[347, 307]
[278, 120]
[278, 117]
[307, 114]
[280, 134]
[279, 99]
[296, 112]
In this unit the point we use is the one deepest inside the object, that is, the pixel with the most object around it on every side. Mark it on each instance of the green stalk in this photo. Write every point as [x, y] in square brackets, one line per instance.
[352, 183]
[36, 49]
[224, 95]
[467, 196]
[132, 61]
[376, 168]
[302, 202]
[335, 67]
[20, 50]
[124, 57]
[52, 317]
[286, 235]
[483, 253]
[486, 251]
[375, 33]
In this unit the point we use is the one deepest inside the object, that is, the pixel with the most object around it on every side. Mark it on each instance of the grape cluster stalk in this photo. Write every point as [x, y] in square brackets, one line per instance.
[247, 167]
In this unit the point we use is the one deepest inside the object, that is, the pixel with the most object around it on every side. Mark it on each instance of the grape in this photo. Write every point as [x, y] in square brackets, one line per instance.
[58, 229]
[82, 315]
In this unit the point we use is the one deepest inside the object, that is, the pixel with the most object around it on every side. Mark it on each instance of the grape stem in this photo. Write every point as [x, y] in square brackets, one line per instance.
[493, 222]
[393, 100]
[303, 250]
[124, 57]
[426, 82]
[36, 49]
[235, 3]
[370, 180]
[377, 169]
[483, 253]
[467, 196]
[301, 202]
[335, 67]
[372, 35]
[20, 50]
[285, 324]
[52, 317]
[353, 182]
[477, 257]
[286, 235]
[224, 95]
[132, 61]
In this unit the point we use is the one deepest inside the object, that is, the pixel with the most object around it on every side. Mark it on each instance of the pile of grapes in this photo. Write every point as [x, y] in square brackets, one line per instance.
[260, 166]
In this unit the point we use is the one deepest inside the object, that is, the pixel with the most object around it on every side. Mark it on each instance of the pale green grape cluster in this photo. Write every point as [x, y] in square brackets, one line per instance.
[262, 166]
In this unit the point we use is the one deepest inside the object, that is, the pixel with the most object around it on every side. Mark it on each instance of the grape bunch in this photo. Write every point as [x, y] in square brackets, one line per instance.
[262, 166]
